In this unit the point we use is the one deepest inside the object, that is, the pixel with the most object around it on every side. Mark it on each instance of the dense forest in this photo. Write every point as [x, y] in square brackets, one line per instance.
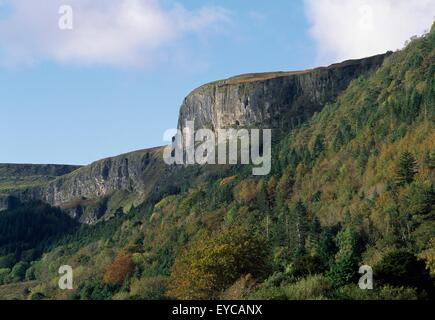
[352, 186]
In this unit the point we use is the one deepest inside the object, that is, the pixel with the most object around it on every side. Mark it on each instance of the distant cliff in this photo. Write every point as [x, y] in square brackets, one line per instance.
[80, 191]
[14, 177]
[273, 100]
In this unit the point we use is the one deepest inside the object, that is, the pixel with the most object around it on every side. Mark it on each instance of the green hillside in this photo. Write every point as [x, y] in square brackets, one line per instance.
[352, 186]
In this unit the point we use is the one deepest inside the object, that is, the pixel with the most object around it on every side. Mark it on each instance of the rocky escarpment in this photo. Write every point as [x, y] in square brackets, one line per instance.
[135, 172]
[272, 100]
[14, 177]
[118, 183]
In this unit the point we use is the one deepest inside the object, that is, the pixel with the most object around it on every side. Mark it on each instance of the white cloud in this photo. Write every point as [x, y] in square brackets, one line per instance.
[345, 29]
[107, 32]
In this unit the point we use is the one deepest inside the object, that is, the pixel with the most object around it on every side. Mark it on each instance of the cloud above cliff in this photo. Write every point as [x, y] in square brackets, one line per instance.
[344, 29]
[105, 32]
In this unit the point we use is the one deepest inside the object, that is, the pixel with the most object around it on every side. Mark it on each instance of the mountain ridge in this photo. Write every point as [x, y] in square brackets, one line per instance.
[271, 97]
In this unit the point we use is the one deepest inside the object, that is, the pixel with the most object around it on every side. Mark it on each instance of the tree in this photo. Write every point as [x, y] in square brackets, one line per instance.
[212, 264]
[271, 190]
[122, 267]
[406, 169]
[262, 201]
[19, 271]
[402, 268]
[319, 145]
[429, 159]
[4, 275]
[149, 288]
[299, 227]
[326, 247]
[246, 191]
[344, 269]
[307, 265]
[284, 187]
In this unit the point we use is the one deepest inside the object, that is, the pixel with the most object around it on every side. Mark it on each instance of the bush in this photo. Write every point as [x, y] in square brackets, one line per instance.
[30, 274]
[268, 293]
[37, 296]
[18, 272]
[353, 292]
[4, 275]
[311, 288]
[8, 261]
[94, 289]
[306, 265]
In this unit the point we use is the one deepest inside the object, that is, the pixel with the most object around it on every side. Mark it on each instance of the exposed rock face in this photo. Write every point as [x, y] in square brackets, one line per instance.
[270, 100]
[129, 172]
[273, 100]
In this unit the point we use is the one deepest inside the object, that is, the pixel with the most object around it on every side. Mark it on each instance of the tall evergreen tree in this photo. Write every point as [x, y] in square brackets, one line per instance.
[298, 227]
[406, 169]
[344, 269]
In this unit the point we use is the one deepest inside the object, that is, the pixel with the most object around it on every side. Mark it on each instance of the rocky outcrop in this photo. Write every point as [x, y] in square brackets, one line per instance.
[130, 172]
[273, 100]
[270, 100]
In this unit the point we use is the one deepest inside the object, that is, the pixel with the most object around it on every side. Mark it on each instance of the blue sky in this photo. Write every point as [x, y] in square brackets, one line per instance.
[106, 88]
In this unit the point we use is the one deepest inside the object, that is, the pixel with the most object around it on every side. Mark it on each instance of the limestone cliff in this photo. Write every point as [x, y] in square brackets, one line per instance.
[273, 100]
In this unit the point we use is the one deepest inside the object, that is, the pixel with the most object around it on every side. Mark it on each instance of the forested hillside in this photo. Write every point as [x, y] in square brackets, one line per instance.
[352, 186]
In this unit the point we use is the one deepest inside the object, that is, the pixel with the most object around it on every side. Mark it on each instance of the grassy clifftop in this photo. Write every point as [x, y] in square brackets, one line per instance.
[18, 176]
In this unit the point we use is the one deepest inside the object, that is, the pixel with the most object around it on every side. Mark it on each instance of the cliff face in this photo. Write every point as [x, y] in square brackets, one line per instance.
[80, 192]
[270, 100]
[14, 177]
[109, 185]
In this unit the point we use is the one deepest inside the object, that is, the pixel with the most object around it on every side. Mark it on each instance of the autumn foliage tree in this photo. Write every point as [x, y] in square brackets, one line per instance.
[122, 267]
[214, 263]
[246, 191]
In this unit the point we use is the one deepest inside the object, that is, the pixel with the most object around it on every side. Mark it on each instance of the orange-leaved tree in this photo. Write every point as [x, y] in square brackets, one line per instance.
[122, 267]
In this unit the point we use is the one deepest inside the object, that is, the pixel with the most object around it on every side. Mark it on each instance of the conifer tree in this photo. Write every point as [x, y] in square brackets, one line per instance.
[298, 227]
[406, 169]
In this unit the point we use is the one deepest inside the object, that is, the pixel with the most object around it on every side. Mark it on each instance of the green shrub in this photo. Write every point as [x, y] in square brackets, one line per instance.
[18, 272]
[7, 261]
[311, 288]
[268, 293]
[37, 296]
[306, 265]
[4, 275]
[353, 292]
